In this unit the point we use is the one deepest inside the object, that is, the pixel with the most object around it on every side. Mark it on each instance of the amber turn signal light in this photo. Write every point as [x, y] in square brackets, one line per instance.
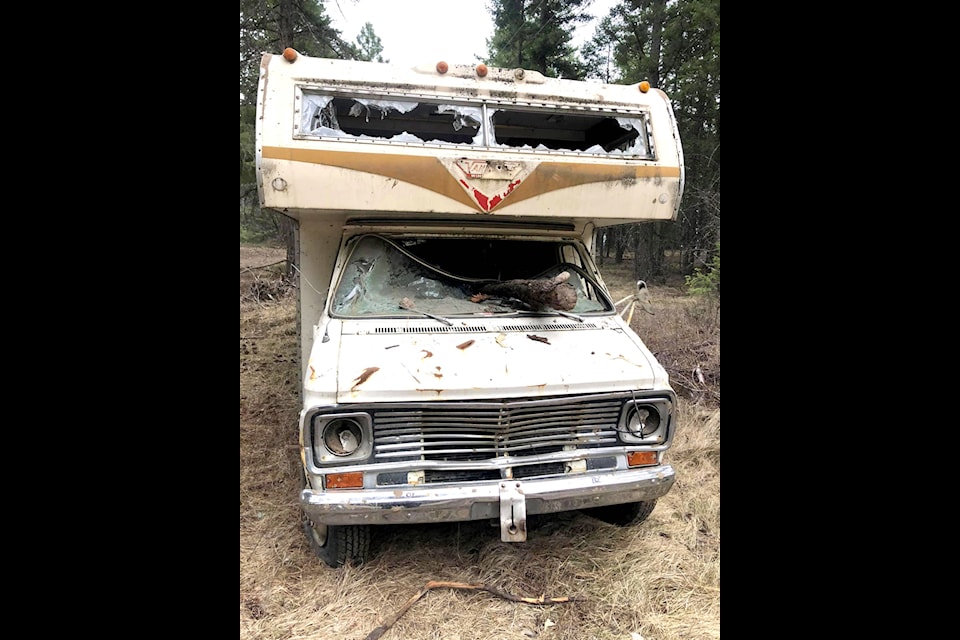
[442, 67]
[641, 458]
[644, 86]
[290, 54]
[352, 480]
[481, 70]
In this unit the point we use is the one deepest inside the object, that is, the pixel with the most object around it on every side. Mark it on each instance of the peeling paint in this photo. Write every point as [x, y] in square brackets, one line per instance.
[313, 373]
[429, 354]
[363, 377]
[488, 203]
[495, 200]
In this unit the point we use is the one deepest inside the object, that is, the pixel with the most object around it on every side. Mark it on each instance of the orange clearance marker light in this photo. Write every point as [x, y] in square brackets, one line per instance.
[442, 67]
[352, 480]
[644, 86]
[641, 458]
[481, 70]
[290, 54]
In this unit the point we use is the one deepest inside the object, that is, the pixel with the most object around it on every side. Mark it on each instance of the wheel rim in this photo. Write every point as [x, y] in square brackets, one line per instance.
[318, 532]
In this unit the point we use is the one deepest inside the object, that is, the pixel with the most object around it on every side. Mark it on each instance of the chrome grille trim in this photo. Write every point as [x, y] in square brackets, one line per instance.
[485, 431]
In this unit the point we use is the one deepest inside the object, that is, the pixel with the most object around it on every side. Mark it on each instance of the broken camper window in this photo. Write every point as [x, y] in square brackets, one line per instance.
[592, 133]
[396, 120]
[442, 123]
[448, 276]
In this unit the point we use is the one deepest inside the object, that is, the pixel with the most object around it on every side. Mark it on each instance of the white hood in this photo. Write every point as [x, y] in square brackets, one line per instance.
[522, 361]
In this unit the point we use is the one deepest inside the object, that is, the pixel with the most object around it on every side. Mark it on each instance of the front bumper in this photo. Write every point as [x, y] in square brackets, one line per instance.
[479, 501]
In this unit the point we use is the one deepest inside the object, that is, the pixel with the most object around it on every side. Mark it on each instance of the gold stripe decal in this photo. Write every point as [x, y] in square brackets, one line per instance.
[551, 176]
[421, 171]
[430, 173]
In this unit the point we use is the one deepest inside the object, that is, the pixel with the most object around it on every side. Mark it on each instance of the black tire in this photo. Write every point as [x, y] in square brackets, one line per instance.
[623, 515]
[338, 545]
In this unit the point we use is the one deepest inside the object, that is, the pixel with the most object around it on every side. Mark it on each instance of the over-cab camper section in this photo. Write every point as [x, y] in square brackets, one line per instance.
[462, 140]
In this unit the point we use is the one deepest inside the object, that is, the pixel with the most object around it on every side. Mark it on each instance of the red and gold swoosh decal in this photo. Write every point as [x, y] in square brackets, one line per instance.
[429, 173]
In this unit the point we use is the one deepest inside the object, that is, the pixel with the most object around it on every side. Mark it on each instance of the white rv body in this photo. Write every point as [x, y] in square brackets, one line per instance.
[422, 195]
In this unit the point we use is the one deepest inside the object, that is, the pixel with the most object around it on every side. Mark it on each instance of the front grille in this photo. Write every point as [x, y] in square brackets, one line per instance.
[469, 432]
[457, 475]
[538, 470]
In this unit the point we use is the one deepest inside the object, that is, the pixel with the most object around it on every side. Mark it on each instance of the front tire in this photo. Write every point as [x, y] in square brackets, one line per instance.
[623, 515]
[338, 545]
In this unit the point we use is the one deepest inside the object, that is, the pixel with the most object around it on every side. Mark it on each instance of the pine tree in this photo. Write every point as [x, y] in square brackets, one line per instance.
[270, 26]
[537, 35]
[369, 47]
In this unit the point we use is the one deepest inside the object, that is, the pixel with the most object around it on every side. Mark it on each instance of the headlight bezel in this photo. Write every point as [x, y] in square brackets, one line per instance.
[324, 429]
[659, 409]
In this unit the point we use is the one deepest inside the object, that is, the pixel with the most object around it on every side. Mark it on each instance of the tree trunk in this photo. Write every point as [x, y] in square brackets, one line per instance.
[648, 252]
[289, 233]
[656, 39]
[285, 22]
[620, 239]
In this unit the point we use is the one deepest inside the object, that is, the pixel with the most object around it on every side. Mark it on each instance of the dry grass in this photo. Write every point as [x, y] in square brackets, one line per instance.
[660, 580]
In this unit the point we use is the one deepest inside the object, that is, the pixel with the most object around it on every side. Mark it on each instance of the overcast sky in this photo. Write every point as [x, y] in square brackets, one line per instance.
[425, 31]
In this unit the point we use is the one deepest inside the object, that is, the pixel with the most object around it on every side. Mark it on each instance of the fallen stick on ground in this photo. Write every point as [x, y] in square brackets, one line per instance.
[436, 584]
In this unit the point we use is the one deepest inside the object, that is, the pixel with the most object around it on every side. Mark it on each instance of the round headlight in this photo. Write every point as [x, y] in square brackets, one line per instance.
[643, 421]
[342, 437]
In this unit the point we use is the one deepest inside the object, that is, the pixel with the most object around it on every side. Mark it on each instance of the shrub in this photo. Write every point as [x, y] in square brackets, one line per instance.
[705, 282]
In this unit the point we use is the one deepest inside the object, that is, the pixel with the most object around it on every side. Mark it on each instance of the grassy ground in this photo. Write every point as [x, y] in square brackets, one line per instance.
[656, 581]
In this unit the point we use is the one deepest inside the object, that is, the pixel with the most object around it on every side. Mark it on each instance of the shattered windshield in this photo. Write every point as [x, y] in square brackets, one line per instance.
[462, 276]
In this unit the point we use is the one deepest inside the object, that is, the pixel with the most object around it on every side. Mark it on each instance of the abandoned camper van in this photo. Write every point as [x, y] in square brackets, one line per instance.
[461, 357]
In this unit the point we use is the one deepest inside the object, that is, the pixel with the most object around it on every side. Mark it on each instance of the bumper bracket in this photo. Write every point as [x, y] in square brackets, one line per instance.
[513, 512]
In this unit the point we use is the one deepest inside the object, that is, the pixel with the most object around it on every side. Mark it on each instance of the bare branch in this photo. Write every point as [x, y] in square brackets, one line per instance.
[436, 584]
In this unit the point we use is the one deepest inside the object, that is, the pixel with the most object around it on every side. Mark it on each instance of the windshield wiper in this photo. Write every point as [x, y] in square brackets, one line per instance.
[551, 312]
[512, 308]
[428, 315]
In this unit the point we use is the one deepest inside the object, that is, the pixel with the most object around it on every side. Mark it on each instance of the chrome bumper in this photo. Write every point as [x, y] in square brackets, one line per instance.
[479, 501]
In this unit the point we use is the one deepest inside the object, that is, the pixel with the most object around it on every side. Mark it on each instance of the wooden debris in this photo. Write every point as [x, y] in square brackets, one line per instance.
[555, 293]
[437, 584]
